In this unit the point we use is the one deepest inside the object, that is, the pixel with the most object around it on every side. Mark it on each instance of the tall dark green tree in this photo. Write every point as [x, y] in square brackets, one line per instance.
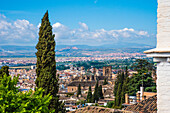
[95, 97]
[4, 70]
[118, 97]
[143, 76]
[142, 66]
[120, 89]
[105, 81]
[100, 92]
[89, 95]
[136, 81]
[46, 64]
[79, 90]
[126, 72]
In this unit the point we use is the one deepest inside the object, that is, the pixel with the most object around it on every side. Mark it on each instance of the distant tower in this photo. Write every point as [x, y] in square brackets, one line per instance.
[82, 70]
[107, 71]
[81, 78]
[97, 72]
[94, 71]
[91, 78]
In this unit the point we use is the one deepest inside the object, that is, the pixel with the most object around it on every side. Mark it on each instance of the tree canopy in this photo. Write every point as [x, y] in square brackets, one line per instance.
[11, 100]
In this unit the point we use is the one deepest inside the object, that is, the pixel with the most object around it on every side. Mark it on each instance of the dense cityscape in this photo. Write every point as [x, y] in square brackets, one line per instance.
[84, 71]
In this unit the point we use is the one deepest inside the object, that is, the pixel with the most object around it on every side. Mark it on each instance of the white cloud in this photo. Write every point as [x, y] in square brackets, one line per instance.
[22, 24]
[2, 16]
[83, 35]
[23, 32]
[16, 32]
[83, 26]
[38, 26]
[57, 25]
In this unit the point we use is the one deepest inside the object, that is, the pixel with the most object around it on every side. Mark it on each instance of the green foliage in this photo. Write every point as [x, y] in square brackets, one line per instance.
[143, 77]
[95, 96]
[102, 106]
[3, 71]
[11, 100]
[151, 89]
[46, 64]
[88, 64]
[118, 96]
[62, 67]
[70, 94]
[105, 81]
[79, 90]
[89, 95]
[142, 65]
[96, 104]
[100, 93]
[136, 81]
[110, 104]
[120, 89]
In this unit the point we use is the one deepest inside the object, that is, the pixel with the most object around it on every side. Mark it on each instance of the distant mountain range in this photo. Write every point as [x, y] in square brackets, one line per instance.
[13, 50]
[115, 45]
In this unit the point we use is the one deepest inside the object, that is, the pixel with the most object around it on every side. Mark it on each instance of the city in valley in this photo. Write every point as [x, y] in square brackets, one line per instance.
[85, 72]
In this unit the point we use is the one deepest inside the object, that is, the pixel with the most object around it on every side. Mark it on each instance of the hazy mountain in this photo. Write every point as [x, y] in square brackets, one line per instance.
[6, 48]
[73, 50]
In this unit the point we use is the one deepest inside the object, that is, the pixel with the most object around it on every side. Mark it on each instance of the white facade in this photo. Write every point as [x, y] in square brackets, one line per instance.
[161, 55]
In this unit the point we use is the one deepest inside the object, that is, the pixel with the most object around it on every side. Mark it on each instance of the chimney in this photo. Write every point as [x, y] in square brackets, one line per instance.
[141, 93]
[126, 98]
[138, 96]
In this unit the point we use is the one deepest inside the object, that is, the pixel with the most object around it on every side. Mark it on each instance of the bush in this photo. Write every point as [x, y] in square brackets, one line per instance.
[96, 104]
[11, 100]
[110, 104]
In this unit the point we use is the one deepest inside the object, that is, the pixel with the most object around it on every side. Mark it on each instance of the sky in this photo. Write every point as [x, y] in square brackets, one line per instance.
[79, 22]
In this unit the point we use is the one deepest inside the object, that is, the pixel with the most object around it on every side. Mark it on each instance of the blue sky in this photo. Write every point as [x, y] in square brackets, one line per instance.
[93, 18]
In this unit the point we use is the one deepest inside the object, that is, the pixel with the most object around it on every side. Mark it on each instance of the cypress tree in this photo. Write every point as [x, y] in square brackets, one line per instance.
[95, 95]
[89, 95]
[46, 64]
[79, 90]
[100, 92]
[123, 94]
[118, 97]
[120, 89]
[105, 81]
[126, 72]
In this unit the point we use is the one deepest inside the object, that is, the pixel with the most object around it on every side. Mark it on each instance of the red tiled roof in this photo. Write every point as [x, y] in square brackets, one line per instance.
[146, 106]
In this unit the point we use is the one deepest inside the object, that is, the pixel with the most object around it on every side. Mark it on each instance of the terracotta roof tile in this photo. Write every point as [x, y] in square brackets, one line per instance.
[146, 106]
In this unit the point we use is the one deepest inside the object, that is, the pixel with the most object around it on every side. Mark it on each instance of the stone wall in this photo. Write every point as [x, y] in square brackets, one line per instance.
[163, 26]
[163, 86]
